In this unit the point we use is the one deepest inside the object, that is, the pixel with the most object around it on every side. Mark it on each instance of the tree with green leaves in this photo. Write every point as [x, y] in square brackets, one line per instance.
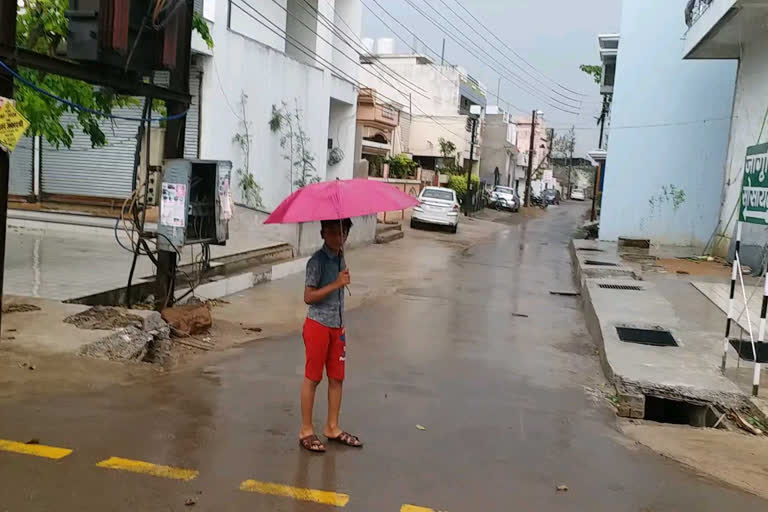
[43, 27]
[595, 71]
[564, 146]
[448, 153]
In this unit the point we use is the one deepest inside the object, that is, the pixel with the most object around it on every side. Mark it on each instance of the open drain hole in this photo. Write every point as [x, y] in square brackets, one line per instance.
[626, 287]
[652, 337]
[601, 263]
[744, 349]
[664, 410]
[590, 249]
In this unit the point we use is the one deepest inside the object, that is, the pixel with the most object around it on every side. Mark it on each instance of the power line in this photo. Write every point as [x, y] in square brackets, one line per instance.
[503, 54]
[307, 51]
[416, 37]
[354, 61]
[365, 52]
[491, 66]
[513, 51]
[533, 87]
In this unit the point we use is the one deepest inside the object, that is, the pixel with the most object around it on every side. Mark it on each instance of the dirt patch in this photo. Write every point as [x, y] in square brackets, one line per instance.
[105, 318]
[19, 308]
[692, 267]
[735, 458]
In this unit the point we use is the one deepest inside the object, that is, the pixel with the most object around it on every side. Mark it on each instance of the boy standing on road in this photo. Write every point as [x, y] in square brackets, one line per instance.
[324, 339]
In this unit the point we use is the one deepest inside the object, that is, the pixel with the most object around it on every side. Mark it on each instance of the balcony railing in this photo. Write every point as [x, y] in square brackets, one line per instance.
[695, 9]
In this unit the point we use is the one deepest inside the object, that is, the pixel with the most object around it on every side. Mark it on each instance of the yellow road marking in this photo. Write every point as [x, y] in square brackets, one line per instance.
[38, 450]
[414, 508]
[297, 493]
[147, 468]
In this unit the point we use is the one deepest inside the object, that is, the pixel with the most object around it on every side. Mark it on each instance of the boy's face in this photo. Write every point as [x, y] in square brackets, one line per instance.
[333, 236]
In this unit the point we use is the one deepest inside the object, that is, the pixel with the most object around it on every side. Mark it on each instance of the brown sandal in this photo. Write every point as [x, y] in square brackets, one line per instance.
[312, 443]
[347, 439]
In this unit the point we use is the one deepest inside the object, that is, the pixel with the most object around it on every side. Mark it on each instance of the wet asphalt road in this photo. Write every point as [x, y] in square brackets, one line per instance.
[502, 398]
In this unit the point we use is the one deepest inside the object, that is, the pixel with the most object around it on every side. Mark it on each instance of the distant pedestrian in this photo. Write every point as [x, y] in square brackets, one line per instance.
[324, 337]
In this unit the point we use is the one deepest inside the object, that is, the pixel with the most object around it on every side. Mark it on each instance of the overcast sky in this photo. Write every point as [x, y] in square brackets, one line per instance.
[555, 36]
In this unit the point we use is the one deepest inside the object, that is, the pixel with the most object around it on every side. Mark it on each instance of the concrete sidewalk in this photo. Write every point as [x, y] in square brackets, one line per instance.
[688, 372]
[273, 307]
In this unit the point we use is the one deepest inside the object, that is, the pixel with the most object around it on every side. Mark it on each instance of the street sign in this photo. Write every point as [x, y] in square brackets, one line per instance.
[12, 125]
[754, 186]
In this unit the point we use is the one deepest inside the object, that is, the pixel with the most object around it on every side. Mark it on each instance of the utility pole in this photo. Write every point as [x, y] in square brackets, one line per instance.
[469, 167]
[174, 142]
[442, 54]
[529, 171]
[7, 39]
[498, 93]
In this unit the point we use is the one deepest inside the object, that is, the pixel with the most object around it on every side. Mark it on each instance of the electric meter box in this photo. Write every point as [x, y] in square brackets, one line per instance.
[194, 203]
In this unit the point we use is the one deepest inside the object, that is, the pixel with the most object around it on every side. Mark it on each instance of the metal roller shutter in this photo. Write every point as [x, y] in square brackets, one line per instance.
[192, 127]
[84, 171]
[22, 168]
[107, 172]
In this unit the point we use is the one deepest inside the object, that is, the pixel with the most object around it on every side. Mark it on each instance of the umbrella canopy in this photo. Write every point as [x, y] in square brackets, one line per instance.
[340, 199]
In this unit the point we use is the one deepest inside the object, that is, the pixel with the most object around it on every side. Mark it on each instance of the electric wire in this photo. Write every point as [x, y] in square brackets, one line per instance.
[77, 106]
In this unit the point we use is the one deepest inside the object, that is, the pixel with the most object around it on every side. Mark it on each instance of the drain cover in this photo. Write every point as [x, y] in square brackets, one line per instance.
[602, 263]
[744, 349]
[627, 287]
[653, 337]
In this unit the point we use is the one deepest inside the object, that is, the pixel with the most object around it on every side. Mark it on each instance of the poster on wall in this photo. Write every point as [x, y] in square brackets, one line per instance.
[173, 205]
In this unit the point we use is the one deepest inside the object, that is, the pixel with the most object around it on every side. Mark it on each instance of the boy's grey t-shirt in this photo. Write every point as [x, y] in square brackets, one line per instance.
[323, 269]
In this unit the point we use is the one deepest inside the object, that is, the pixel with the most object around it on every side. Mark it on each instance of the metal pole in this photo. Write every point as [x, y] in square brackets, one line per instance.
[7, 38]
[529, 171]
[734, 272]
[469, 167]
[595, 187]
[498, 92]
[602, 122]
[174, 145]
[760, 339]
[442, 54]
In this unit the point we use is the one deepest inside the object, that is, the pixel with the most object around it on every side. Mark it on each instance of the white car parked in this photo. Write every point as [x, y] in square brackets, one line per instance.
[578, 195]
[438, 206]
[505, 197]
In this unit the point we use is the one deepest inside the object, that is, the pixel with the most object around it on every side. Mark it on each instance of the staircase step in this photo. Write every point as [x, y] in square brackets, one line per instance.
[389, 236]
[387, 228]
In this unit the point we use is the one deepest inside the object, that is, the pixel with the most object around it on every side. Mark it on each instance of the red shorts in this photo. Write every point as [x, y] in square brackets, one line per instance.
[324, 347]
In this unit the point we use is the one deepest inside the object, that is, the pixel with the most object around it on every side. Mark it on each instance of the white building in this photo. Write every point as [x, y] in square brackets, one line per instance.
[735, 30]
[438, 99]
[270, 53]
[541, 150]
[498, 165]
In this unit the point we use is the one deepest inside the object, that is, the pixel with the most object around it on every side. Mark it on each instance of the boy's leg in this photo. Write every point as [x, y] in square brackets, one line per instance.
[335, 366]
[316, 340]
[334, 408]
[308, 389]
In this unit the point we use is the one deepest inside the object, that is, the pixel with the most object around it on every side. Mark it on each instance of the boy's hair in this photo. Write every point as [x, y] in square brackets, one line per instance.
[346, 224]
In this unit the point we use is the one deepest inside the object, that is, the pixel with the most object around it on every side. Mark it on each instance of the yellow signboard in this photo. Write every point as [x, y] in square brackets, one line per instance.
[12, 125]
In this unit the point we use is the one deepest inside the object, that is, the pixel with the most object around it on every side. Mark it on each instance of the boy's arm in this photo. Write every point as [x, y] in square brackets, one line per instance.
[314, 295]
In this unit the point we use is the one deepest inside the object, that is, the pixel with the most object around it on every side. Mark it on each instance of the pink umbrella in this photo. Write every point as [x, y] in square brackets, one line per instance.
[340, 199]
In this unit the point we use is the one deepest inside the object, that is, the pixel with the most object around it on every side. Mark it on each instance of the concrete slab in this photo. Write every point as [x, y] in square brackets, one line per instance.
[689, 371]
[32, 331]
[594, 259]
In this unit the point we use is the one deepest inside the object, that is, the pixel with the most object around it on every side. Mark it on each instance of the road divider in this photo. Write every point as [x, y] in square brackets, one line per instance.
[38, 450]
[147, 468]
[324, 497]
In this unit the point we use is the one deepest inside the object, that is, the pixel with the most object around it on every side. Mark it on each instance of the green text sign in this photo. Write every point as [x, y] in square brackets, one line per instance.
[754, 187]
